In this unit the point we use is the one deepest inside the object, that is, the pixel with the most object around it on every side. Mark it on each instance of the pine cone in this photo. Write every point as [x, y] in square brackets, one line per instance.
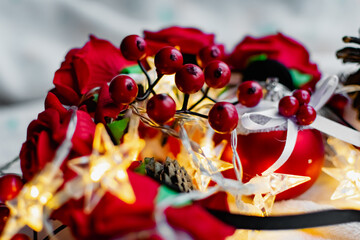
[169, 173]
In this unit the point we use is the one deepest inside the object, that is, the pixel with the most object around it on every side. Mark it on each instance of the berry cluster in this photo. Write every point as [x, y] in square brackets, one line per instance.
[189, 79]
[297, 105]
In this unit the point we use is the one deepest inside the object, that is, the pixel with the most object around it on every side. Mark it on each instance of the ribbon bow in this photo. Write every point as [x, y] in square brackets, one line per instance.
[324, 90]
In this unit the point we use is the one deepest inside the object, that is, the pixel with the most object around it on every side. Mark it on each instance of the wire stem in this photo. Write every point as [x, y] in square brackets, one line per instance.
[192, 113]
[146, 74]
[150, 89]
[201, 99]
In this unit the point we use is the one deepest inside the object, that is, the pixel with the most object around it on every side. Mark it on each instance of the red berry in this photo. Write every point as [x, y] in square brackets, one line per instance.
[168, 60]
[10, 186]
[305, 115]
[161, 108]
[303, 96]
[223, 117]
[20, 236]
[288, 106]
[133, 47]
[189, 79]
[217, 74]
[338, 103]
[208, 54]
[4, 214]
[123, 89]
[249, 93]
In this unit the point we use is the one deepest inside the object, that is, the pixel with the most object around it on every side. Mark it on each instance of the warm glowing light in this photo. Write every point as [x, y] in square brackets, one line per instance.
[28, 207]
[98, 171]
[121, 175]
[34, 192]
[346, 170]
[105, 169]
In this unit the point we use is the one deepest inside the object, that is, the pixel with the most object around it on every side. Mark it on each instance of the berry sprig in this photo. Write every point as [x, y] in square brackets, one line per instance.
[189, 79]
[297, 106]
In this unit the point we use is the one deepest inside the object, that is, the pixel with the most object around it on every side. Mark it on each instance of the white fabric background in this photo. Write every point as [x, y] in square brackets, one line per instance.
[35, 35]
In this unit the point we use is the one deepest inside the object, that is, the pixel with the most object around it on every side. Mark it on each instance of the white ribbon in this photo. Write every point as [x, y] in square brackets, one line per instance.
[271, 120]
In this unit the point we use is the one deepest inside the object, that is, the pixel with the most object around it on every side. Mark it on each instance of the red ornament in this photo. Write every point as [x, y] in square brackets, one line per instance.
[189, 79]
[20, 236]
[4, 214]
[168, 60]
[258, 151]
[249, 93]
[10, 186]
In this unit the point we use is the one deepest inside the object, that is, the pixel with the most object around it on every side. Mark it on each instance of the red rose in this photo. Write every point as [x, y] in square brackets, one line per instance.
[86, 68]
[113, 218]
[276, 47]
[46, 133]
[190, 40]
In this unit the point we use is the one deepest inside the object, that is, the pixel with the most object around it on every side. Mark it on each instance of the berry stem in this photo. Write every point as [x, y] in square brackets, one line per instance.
[234, 103]
[186, 101]
[56, 231]
[201, 99]
[35, 235]
[7, 165]
[150, 89]
[192, 113]
[211, 99]
[147, 75]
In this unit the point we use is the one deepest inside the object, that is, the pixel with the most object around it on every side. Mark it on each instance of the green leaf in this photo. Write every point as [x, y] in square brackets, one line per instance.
[299, 78]
[259, 57]
[131, 69]
[164, 193]
[141, 168]
[117, 128]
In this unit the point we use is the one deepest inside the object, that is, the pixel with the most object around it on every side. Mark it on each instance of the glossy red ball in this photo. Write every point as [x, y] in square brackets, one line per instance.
[133, 47]
[249, 93]
[10, 186]
[303, 96]
[20, 236]
[288, 106]
[208, 54]
[4, 214]
[189, 79]
[223, 117]
[161, 108]
[217, 74]
[123, 89]
[168, 60]
[258, 151]
[305, 115]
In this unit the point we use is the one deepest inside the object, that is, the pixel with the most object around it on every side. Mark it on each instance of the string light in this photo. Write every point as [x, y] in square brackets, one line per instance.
[106, 168]
[347, 170]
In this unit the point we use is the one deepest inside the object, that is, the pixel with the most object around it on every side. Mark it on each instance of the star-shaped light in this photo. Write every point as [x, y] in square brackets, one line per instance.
[29, 205]
[208, 153]
[105, 169]
[276, 183]
[347, 170]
